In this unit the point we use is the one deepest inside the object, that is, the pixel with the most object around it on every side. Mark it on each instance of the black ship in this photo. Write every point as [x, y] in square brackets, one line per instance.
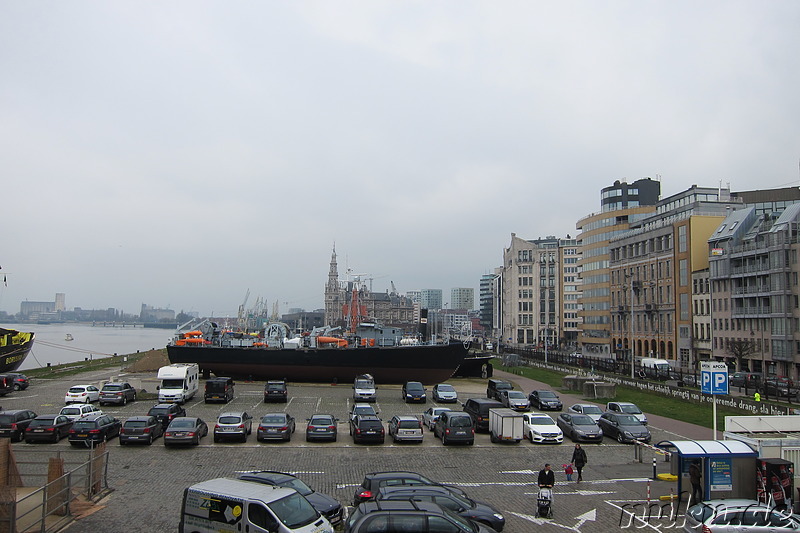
[14, 348]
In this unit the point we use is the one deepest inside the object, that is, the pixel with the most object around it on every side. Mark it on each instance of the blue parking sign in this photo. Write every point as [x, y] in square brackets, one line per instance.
[714, 377]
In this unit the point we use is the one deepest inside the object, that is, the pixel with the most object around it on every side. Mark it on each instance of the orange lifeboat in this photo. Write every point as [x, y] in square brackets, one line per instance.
[341, 343]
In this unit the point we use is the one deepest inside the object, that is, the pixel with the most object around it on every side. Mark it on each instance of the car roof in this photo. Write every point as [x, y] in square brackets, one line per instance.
[327, 415]
[138, 418]
[232, 413]
[404, 417]
[272, 476]
[74, 386]
[416, 488]
[275, 414]
[368, 417]
[398, 505]
[184, 418]
[91, 417]
[362, 404]
[393, 473]
[13, 411]
[166, 405]
[47, 417]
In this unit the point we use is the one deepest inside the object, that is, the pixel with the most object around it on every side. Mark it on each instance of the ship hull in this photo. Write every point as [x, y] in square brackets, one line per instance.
[14, 348]
[387, 364]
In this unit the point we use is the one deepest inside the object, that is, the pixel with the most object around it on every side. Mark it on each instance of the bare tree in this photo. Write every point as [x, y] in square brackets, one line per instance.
[740, 349]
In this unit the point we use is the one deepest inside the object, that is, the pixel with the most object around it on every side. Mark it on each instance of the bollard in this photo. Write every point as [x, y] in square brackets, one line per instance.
[654, 468]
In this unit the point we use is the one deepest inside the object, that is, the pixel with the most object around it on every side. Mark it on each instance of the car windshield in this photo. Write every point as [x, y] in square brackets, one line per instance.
[371, 423]
[542, 421]
[321, 421]
[273, 419]
[628, 420]
[84, 424]
[158, 411]
[461, 422]
[465, 523]
[275, 386]
[415, 387]
[445, 388]
[70, 411]
[179, 423]
[631, 409]
[136, 424]
[582, 420]
[294, 511]
[516, 395]
[41, 422]
[6, 419]
[296, 484]
[172, 384]
[230, 419]
[363, 384]
[367, 410]
[592, 410]
[112, 387]
[409, 424]
[77, 390]
[547, 394]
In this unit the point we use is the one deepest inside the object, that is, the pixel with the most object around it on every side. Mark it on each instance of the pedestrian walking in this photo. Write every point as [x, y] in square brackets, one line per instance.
[568, 471]
[579, 459]
[694, 477]
[547, 478]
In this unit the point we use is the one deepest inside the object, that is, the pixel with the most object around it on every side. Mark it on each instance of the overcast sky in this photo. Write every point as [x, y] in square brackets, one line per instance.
[180, 153]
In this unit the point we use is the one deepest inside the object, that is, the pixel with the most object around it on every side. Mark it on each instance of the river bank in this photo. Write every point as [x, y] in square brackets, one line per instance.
[147, 361]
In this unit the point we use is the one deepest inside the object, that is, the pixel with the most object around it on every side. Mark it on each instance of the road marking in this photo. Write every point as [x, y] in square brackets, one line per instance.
[639, 522]
[576, 493]
[19, 397]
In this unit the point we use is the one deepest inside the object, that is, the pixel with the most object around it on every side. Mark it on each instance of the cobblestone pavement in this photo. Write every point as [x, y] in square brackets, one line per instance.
[148, 482]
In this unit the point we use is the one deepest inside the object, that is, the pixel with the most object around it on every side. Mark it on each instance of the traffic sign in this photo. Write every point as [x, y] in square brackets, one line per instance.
[714, 377]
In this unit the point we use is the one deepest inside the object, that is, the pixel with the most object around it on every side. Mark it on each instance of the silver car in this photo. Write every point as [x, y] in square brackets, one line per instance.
[444, 393]
[431, 415]
[738, 515]
[405, 427]
[275, 426]
[233, 426]
[514, 399]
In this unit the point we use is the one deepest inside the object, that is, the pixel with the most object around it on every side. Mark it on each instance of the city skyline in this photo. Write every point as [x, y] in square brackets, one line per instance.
[229, 147]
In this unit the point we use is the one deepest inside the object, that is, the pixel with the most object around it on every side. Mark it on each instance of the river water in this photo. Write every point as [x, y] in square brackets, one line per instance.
[51, 346]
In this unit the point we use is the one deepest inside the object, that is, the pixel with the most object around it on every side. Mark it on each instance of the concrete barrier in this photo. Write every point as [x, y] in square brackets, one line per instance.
[599, 389]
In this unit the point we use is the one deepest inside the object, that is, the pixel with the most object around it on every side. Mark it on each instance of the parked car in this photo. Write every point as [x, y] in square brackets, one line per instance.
[478, 409]
[431, 415]
[588, 409]
[94, 428]
[232, 425]
[167, 412]
[185, 430]
[405, 428]
[540, 428]
[405, 515]
[736, 515]
[414, 391]
[367, 428]
[545, 400]
[219, 389]
[494, 386]
[275, 426]
[118, 392]
[623, 427]
[455, 426]
[47, 428]
[76, 411]
[514, 399]
[140, 429]
[322, 427]
[444, 393]
[362, 409]
[628, 409]
[21, 381]
[82, 394]
[326, 505]
[579, 428]
[373, 481]
[13, 423]
[275, 391]
[779, 387]
[479, 512]
[749, 379]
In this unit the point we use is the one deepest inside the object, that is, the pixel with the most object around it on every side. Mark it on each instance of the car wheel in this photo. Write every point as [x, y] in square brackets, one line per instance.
[124, 400]
[216, 439]
[88, 401]
[444, 440]
[620, 438]
[334, 438]
[470, 443]
[196, 440]
[16, 386]
[150, 441]
[122, 442]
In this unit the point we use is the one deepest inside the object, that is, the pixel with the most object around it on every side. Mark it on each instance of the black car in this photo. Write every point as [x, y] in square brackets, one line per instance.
[324, 504]
[140, 429]
[476, 511]
[414, 391]
[118, 392]
[373, 481]
[48, 428]
[275, 391]
[494, 386]
[478, 409]
[545, 399]
[21, 381]
[14, 422]
[94, 428]
[367, 428]
[219, 390]
[166, 412]
[408, 515]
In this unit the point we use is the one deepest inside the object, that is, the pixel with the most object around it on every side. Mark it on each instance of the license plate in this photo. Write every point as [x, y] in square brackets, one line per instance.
[370, 432]
[38, 430]
[83, 435]
[272, 430]
[320, 429]
[461, 432]
[228, 429]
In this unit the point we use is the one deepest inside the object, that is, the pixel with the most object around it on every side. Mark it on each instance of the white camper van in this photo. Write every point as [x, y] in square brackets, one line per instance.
[222, 505]
[179, 382]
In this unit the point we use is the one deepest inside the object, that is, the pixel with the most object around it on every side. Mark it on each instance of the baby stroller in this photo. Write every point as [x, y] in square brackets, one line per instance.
[544, 503]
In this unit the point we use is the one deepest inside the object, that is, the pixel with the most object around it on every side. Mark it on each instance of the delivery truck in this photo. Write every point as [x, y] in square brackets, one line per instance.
[505, 425]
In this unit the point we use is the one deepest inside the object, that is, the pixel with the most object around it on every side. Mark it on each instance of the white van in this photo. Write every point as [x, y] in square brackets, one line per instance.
[226, 505]
[364, 388]
[179, 382]
[656, 368]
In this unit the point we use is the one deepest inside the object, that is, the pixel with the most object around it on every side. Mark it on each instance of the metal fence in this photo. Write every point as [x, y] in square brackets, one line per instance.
[44, 490]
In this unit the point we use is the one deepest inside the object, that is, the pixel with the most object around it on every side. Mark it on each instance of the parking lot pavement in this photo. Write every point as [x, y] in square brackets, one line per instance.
[148, 482]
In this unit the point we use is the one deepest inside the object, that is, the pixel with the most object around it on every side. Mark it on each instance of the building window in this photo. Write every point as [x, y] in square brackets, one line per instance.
[681, 238]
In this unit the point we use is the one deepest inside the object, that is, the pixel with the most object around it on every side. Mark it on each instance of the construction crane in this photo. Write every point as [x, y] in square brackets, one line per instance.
[242, 319]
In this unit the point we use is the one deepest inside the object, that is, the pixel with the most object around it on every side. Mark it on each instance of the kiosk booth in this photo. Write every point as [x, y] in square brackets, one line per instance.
[726, 465]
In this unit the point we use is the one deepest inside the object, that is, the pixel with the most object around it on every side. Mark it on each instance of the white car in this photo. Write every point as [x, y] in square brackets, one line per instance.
[82, 394]
[539, 427]
[74, 412]
[588, 409]
[431, 415]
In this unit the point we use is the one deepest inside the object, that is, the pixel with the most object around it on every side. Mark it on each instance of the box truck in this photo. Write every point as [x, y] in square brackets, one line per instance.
[505, 425]
[179, 382]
